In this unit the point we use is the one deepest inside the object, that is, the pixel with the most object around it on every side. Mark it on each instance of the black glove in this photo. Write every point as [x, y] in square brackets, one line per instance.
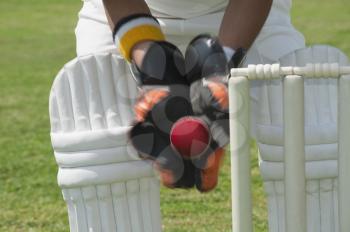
[164, 99]
[207, 71]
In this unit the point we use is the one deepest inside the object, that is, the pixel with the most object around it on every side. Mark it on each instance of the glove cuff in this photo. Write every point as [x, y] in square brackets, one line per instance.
[206, 57]
[163, 64]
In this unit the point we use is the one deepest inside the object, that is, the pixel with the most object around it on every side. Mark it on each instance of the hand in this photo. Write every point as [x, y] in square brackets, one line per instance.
[207, 69]
[164, 99]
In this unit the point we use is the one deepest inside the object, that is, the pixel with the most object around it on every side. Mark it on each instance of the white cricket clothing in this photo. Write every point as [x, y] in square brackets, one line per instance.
[180, 26]
[185, 8]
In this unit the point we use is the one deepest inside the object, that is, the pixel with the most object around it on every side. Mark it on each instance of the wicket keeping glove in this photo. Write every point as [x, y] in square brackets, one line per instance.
[164, 100]
[207, 69]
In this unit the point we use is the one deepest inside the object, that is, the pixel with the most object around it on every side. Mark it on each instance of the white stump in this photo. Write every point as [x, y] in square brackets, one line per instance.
[294, 154]
[344, 153]
[240, 154]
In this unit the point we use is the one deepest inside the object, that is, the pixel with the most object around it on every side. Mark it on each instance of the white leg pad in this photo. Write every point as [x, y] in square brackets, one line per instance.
[321, 205]
[321, 142]
[104, 183]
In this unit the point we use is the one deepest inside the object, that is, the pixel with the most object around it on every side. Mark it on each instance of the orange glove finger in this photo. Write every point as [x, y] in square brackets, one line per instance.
[220, 93]
[210, 173]
[147, 102]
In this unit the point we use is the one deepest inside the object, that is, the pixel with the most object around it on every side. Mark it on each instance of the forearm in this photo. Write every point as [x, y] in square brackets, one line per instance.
[243, 21]
[118, 9]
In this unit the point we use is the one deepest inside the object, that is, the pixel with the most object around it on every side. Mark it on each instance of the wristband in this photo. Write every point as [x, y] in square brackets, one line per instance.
[134, 29]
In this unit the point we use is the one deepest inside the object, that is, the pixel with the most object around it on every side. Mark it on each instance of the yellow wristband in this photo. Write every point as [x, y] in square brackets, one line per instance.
[136, 35]
[135, 29]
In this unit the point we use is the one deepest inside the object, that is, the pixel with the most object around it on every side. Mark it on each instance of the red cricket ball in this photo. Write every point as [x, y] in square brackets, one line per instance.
[190, 136]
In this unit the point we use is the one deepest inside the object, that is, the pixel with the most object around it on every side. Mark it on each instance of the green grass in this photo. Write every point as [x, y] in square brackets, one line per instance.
[36, 39]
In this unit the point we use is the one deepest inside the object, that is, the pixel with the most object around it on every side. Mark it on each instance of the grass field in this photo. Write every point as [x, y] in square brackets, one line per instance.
[36, 39]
